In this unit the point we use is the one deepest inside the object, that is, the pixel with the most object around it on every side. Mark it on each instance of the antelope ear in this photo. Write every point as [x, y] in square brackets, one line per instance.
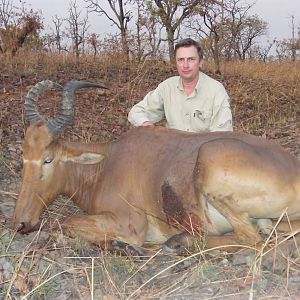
[85, 158]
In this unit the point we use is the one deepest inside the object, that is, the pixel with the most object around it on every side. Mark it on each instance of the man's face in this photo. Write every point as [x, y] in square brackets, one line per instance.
[188, 63]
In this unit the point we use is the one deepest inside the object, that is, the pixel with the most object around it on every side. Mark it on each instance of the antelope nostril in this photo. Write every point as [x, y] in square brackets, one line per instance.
[20, 227]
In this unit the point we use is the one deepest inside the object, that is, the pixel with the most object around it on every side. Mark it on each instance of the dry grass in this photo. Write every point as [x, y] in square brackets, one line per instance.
[264, 96]
[48, 265]
[44, 267]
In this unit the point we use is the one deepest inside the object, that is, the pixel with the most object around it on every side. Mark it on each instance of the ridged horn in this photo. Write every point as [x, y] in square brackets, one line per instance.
[31, 113]
[66, 118]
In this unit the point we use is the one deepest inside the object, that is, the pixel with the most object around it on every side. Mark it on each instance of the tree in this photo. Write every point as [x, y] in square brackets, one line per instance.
[282, 49]
[17, 25]
[7, 13]
[207, 24]
[240, 28]
[141, 18]
[262, 52]
[77, 28]
[250, 29]
[146, 40]
[293, 40]
[118, 15]
[287, 48]
[171, 14]
[58, 33]
[93, 41]
[226, 29]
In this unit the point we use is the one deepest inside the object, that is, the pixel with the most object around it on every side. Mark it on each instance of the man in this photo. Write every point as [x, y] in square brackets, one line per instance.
[191, 101]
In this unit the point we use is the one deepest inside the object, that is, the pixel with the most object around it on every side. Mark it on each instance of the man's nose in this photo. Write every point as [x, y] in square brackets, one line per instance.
[185, 63]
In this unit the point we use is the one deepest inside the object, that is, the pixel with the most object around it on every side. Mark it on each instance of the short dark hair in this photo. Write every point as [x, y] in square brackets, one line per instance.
[187, 43]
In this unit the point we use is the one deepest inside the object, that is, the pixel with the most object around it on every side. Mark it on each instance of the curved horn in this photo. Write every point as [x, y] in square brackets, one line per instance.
[66, 118]
[31, 113]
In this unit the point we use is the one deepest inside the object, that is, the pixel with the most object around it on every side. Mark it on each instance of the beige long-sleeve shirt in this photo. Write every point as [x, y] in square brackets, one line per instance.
[206, 109]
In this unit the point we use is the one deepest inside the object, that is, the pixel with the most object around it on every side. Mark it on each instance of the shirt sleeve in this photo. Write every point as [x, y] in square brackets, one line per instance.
[222, 116]
[151, 108]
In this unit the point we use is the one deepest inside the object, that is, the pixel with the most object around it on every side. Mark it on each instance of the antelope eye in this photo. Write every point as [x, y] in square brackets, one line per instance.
[47, 161]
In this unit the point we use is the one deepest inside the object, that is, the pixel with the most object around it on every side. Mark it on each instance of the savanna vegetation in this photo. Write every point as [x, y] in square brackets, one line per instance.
[265, 98]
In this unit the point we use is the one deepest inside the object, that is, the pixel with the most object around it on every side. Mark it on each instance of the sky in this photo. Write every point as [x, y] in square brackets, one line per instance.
[276, 12]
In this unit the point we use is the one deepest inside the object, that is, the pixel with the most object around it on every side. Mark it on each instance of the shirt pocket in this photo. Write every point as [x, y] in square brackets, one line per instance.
[201, 120]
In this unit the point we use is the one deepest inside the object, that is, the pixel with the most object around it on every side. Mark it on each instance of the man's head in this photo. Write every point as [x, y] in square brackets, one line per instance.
[188, 43]
[189, 59]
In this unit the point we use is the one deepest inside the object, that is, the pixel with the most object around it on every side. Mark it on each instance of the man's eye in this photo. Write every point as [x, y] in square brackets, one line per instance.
[48, 161]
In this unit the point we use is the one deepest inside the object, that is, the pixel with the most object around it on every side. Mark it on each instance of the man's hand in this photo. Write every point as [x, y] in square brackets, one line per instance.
[147, 123]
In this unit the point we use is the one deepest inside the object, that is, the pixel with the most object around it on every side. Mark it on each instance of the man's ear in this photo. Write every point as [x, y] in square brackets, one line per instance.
[85, 158]
[201, 63]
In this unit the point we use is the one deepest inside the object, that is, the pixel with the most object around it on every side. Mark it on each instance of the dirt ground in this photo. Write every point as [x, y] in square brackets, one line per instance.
[47, 265]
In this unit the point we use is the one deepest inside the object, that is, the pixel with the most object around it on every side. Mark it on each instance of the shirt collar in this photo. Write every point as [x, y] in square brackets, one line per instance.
[180, 85]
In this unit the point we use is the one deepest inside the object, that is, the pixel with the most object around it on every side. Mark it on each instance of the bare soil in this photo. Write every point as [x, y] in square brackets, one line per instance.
[47, 265]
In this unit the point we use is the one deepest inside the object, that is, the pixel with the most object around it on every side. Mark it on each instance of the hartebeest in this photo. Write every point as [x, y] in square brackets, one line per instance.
[155, 184]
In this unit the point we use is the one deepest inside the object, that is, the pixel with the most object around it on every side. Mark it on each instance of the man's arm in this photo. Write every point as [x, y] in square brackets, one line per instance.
[148, 111]
[222, 116]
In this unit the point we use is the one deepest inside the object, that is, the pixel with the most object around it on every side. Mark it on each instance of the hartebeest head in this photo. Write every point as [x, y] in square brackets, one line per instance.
[42, 157]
